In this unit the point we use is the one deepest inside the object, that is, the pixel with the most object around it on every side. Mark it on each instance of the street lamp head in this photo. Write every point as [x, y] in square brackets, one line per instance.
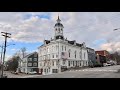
[3, 35]
[115, 29]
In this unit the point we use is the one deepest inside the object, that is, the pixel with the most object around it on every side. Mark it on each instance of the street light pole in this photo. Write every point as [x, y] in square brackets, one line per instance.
[115, 30]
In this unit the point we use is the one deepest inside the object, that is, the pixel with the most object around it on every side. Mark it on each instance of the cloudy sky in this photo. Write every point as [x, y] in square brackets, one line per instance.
[29, 29]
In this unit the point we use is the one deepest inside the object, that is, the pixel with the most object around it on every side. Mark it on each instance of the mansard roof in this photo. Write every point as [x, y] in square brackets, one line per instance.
[47, 41]
[29, 54]
[73, 42]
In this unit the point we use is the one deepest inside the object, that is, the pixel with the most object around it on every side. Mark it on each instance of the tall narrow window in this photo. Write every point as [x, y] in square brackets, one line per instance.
[56, 56]
[80, 55]
[56, 48]
[53, 63]
[69, 63]
[73, 63]
[45, 70]
[65, 48]
[48, 50]
[62, 48]
[84, 55]
[59, 30]
[86, 63]
[75, 54]
[69, 52]
[52, 48]
[76, 63]
[53, 56]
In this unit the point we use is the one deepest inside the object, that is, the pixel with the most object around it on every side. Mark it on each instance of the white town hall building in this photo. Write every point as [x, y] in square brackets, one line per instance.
[58, 54]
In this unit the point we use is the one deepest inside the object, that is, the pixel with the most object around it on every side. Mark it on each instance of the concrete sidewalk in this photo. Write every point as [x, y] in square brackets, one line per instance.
[30, 76]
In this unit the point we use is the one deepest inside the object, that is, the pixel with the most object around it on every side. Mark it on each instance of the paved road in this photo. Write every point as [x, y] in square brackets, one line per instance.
[99, 72]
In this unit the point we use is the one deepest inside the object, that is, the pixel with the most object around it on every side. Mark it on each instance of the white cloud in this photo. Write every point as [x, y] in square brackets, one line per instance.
[112, 47]
[80, 26]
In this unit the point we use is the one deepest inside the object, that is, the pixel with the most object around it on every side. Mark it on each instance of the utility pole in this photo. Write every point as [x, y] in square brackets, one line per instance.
[115, 30]
[5, 34]
[1, 51]
[1, 58]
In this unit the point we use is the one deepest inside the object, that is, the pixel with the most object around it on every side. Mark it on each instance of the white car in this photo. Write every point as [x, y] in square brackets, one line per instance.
[32, 72]
[108, 64]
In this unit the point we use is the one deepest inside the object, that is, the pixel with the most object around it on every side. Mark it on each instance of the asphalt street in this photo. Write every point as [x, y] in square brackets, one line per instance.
[98, 72]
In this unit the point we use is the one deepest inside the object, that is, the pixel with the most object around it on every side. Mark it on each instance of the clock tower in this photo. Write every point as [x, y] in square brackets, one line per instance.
[58, 29]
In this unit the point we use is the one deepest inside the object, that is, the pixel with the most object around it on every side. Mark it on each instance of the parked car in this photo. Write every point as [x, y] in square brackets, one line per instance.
[107, 64]
[34, 72]
[97, 64]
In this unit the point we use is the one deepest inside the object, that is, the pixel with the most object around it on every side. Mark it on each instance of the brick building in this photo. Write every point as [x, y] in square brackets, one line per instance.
[102, 56]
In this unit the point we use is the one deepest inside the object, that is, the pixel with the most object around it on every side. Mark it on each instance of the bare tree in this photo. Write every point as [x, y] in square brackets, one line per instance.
[23, 50]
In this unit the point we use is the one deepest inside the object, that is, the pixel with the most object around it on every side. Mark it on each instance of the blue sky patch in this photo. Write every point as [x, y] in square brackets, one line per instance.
[99, 42]
[30, 47]
[27, 16]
